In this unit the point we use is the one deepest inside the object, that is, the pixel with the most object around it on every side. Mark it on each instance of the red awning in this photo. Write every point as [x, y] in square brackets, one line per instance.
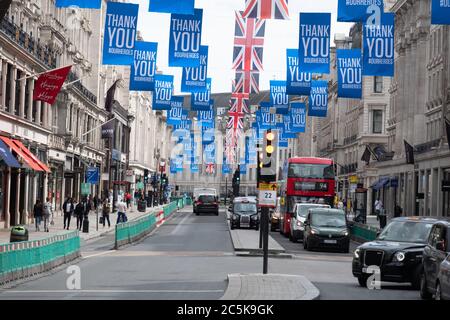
[29, 161]
[32, 156]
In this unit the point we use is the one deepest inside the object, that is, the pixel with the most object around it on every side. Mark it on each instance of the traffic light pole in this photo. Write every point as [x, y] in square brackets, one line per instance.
[265, 226]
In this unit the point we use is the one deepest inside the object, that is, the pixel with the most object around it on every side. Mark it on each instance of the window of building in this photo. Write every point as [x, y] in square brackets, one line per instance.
[377, 84]
[377, 121]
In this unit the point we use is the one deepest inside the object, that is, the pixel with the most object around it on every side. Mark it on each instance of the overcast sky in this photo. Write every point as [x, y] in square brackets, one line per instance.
[218, 34]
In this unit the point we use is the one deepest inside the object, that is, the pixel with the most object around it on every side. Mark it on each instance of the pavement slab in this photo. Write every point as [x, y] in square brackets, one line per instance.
[248, 240]
[269, 287]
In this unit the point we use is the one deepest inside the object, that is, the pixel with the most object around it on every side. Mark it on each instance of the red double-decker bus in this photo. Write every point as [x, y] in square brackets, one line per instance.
[305, 180]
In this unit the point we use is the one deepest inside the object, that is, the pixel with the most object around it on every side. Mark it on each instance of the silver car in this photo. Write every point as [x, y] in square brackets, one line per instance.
[298, 219]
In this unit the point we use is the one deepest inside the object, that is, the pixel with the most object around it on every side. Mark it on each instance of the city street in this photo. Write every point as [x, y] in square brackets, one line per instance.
[189, 257]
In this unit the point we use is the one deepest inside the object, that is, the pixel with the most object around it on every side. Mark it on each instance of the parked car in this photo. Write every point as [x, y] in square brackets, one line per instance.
[275, 217]
[207, 204]
[397, 251]
[435, 279]
[299, 217]
[326, 228]
[244, 213]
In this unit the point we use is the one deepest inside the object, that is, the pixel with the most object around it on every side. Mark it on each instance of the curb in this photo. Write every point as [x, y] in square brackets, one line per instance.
[261, 254]
[235, 286]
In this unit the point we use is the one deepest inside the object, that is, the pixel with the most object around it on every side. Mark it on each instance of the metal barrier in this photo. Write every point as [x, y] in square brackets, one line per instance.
[134, 230]
[362, 232]
[21, 259]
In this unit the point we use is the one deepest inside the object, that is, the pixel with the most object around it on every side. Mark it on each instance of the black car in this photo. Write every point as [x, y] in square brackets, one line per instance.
[435, 278]
[397, 251]
[207, 204]
[244, 214]
[326, 228]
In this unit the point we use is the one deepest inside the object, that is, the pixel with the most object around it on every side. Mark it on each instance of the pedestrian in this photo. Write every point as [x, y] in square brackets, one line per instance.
[121, 212]
[37, 213]
[96, 202]
[106, 211]
[79, 213]
[398, 211]
[128, 199]
[47, 213]
[88, 206]
[378, 207]
[68, 208]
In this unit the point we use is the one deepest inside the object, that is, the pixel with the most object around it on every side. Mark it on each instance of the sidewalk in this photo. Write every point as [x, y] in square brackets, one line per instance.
[269, 287]
[371, 220]
[57, 228]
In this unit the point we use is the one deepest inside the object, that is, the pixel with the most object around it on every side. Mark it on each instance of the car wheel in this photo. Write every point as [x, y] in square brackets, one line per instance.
[272, 227]
[305, 244]
[424, 293]
[231, 226]
[416, 280]
[362, 280]
[308, 245]
[197, 214]
[438, 294]
[217, 213]
[257, 227]
[291, 238]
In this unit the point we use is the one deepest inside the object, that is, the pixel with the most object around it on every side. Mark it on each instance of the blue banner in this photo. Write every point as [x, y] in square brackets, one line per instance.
[209, 153]
[243, 167]
[298, 117]
[283, 142]
[318, 100]
[349, 71]
[176, 111]
[142, 77]
[202, 100]
[378, 47]
[194, 79]
[120, 33]
[185, 125]
[288, 132]
[176, 164]
[172, 6]
[185, 39]
[86, 4]
[247, 151]
[298, 83]
[194, 162]
[225, 167]
[162, 97]
[314, 42]
[264, 118]
[278, 97]
[206, 118]
[358, 11]
[208, 135]
[440, 12]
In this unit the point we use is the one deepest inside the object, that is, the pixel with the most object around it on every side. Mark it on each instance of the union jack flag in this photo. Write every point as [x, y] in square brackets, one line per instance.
[248, 43]
[247, 81]
[266, 9]
[210, 168]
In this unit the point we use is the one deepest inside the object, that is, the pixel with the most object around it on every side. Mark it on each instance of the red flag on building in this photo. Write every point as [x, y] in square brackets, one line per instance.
[49, 84]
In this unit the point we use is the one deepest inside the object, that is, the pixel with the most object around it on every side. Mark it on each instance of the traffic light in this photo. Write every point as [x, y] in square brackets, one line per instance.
[145, 176]
[269, 157]
[236, 181]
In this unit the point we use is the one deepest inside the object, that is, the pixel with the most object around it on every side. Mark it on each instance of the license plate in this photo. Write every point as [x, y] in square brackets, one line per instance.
[330, 241]
[245, 225]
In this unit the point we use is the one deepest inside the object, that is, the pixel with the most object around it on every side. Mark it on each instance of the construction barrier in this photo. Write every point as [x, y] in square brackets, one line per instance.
[363, 233]
[134, 230]
[23, 259]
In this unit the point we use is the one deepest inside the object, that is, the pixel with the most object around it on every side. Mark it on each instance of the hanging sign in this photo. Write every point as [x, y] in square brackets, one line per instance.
[278, 97]
[378, 47]
[172, 6]
[162, 97]
[314, 42]
[202, 100]
[349, 69]
[298, 117]
[143, 69]
[185, 39]
[357, 10]
[120, 33]
[193, 79]
[298, 82]
[440, 12]
[318, 100]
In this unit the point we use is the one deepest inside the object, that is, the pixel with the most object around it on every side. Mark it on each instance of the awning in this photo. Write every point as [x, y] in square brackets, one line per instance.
[7, 156]
[380, 183]
[31, 160]
[32, 156]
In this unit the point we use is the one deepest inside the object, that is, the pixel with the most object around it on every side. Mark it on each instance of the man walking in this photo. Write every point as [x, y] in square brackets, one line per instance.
[47, 213]
[68, 209]
[121, 212]
[79, 213]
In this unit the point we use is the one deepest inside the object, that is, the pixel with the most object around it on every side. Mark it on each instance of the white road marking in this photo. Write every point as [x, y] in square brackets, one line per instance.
[180, 224]
[110, 291]
[99, 254]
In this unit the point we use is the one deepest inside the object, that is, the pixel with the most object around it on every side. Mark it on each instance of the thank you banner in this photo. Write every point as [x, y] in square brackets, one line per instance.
[318, 100]
[314, 42]
[194, 78]
[120, 33]
[162, 97]
[298, 82]
[349, 69]
[185, 39]
[143, 69]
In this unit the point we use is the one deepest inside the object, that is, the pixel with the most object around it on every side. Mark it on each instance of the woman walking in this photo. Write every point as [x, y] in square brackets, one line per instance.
[106, 210]
[37, 213]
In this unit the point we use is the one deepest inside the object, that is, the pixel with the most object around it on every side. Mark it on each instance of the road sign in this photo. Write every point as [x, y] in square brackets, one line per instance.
[267, 195]
[85, 189]
[92, 175]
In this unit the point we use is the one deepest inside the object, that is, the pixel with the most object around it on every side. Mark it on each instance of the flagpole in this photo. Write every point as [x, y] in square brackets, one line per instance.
[68, 84]
[47, 71]
[99, 126]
